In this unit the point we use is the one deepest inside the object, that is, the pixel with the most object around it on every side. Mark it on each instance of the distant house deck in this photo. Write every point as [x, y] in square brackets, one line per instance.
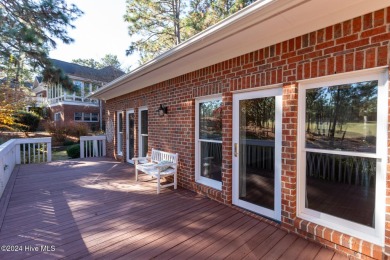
[94, 209]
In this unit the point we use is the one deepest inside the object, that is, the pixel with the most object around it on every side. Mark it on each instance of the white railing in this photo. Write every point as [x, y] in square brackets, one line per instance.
[33, 150]
[72, 98]
[22, 151]
[39, 101]
[92, 146]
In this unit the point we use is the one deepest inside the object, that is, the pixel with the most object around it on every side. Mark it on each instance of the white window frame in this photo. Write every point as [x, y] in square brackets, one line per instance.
[140, 144]
[374, 235]
[57, 116]
[97, 117]
[82, 116]
[119, 146]
[198, 178]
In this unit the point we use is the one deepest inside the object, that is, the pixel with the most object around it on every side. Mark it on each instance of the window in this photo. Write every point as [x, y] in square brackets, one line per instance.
[87, 88]
[143, 132]
[119, 132]
[78, 116]
[208, 144]
[342, 163]
[94, 117]
[94, 87]
[86, 117]
[57, 116]
[78, 88]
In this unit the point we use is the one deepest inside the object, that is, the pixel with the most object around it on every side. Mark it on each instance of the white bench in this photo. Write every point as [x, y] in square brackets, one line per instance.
[159, 164]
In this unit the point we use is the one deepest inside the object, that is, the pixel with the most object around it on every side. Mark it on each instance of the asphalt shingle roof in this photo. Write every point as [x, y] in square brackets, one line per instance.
[106, 74]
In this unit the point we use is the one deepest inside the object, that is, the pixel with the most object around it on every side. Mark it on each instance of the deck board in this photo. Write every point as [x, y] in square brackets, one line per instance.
[93, 209]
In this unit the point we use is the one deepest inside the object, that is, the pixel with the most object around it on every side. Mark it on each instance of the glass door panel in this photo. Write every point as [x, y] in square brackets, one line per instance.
[257, 151]
[143, 129]
[130, 135]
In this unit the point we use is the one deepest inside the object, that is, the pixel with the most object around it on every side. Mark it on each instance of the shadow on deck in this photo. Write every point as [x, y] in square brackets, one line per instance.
[94, 209]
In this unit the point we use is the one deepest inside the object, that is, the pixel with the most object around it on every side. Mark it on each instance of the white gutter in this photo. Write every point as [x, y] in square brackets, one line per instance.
[257, 26]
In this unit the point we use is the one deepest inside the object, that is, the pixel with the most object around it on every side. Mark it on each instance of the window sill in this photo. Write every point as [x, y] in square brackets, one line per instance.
[210, 183]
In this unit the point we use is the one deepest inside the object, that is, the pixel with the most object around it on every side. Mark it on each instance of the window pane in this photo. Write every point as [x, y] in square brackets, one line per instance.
[341, 186]
[77, 88]
[342, 117]
[120, 135]
[94, 87]
[144, 145]
[144, 122]
[131, 135]
[210, 120]
[87, 88]
[120, 120]
[211, 160]
[87, 116]
[57, 116]
[95, 117]
[78, 116]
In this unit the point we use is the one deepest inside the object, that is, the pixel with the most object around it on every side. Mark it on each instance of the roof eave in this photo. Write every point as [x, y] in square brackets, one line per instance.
[261, 24]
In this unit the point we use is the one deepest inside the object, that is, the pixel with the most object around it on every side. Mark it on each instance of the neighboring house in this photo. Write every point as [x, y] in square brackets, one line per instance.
[72, 105]
[280, 110]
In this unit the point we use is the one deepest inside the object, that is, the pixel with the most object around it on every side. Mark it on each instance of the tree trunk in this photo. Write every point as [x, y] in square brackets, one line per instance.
[176, 22]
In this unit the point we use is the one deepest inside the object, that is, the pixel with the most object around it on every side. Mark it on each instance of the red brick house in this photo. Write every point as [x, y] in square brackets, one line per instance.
[72, 105]
[281, 110]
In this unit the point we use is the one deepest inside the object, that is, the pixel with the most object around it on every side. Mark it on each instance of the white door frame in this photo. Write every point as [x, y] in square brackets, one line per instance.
[129, 111]
[272, 92]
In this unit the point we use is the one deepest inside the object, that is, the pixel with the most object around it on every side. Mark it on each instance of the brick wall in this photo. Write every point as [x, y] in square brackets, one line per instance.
[356, 44]
[67, 114]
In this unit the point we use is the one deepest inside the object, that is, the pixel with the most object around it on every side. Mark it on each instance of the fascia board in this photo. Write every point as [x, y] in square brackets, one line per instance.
[256, 27]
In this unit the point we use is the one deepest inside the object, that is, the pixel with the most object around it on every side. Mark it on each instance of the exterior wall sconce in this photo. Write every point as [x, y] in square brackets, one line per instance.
[162, 110]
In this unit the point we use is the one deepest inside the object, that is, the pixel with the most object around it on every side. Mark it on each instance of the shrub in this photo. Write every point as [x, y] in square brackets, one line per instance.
[58, 132]
[78, 129]
[73, 151]
[27, 121]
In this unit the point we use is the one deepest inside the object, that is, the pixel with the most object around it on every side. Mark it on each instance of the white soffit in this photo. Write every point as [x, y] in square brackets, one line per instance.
[261, 24]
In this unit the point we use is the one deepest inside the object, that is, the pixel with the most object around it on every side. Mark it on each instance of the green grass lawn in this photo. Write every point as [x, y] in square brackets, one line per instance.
[59, 155]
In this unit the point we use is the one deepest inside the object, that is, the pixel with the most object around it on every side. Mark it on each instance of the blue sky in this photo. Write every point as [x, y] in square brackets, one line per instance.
[101, 30]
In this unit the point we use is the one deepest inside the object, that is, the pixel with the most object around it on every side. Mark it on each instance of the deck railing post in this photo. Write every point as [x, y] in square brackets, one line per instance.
[104, 147]
[17, 155]
[95, 149]
[91, 146]
[49, 151]
[82, 146]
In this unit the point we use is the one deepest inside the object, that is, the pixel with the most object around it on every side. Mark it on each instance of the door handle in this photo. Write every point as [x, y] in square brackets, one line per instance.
[235, 149]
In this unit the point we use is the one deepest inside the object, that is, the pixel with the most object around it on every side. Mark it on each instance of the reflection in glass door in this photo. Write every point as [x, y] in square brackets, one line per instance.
[257, 151]
[130, 135]
[143, 131]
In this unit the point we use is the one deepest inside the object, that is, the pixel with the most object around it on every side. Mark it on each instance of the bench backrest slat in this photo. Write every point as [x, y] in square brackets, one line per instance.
[158, 156]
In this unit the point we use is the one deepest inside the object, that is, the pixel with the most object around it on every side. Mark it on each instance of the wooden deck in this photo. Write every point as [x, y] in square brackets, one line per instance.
[93, 209]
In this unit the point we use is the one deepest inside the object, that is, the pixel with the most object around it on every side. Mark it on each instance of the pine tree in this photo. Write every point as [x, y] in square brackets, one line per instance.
[159, 25]
[205, 13]
[30, 28]
[107, 60]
